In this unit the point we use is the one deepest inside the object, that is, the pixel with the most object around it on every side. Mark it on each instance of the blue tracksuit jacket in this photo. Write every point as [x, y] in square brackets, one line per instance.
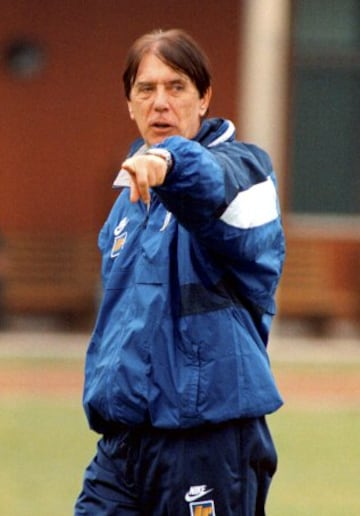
[188, 291]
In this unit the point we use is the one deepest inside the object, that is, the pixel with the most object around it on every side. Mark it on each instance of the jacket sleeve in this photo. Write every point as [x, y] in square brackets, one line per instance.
[226, 198]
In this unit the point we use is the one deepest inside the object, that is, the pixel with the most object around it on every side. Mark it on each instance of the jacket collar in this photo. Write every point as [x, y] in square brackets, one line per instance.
[214, 131]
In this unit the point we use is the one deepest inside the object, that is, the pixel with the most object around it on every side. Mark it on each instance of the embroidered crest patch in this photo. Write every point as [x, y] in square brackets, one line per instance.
[206, 508]
[118, 244]
[119, 237]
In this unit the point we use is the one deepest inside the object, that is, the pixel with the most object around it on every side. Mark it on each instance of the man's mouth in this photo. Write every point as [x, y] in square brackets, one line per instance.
[161, 125]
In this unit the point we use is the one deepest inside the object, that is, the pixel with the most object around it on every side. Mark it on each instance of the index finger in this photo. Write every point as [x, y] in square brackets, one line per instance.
[139, 180]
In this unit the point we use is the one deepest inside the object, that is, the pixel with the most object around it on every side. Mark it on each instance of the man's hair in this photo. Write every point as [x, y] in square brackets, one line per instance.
[176, 49]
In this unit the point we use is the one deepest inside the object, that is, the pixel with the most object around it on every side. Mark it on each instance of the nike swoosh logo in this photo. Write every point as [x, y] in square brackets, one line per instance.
[192, 497]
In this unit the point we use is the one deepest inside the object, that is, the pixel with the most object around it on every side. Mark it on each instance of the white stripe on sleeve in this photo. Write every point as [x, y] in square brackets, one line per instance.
[253, 207]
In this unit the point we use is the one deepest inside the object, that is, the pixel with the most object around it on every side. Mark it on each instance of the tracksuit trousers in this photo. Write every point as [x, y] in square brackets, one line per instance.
[213, 470]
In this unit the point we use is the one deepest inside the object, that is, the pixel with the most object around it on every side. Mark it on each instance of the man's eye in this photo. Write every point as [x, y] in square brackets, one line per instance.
[177, 87]
[145, 89]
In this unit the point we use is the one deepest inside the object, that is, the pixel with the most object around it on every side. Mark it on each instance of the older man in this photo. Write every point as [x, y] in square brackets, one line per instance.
[178, 381]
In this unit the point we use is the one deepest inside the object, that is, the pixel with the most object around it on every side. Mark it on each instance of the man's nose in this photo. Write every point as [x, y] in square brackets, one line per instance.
[161, 99]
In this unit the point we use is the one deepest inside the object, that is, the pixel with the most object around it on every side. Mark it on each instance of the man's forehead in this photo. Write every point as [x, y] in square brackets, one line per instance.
[153, 69]
[156, 80]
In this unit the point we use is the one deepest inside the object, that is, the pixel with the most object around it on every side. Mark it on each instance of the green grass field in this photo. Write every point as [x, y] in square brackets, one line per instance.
[319, 463]
[45, 446]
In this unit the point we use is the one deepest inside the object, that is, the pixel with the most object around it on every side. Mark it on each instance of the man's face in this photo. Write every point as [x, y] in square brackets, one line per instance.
[164, 102]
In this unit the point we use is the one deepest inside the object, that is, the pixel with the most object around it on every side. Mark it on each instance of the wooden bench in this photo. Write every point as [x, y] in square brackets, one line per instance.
[51, 274]
[321, 279]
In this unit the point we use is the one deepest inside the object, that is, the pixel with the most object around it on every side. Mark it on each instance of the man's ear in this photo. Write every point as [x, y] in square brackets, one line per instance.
[131, 114]
[205, 101]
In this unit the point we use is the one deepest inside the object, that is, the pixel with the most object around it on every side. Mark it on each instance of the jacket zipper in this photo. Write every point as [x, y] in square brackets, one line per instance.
[147, 208]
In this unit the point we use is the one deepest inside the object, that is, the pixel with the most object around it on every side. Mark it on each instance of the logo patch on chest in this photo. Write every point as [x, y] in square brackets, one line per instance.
[118, 244]
[120, 237]
[206, 508]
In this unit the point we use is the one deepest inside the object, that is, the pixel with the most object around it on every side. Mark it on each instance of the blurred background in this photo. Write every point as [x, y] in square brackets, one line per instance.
[288, 74]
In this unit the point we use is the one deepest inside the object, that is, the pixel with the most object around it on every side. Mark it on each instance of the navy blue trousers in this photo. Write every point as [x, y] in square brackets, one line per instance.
[213, 470]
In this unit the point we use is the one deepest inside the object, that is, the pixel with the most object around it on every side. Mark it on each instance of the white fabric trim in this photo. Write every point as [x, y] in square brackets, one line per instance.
[225, 135]
[253, 207]
[123, 177]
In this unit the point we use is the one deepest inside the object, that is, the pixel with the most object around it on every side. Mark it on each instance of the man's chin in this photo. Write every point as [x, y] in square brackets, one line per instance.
[158, 137]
